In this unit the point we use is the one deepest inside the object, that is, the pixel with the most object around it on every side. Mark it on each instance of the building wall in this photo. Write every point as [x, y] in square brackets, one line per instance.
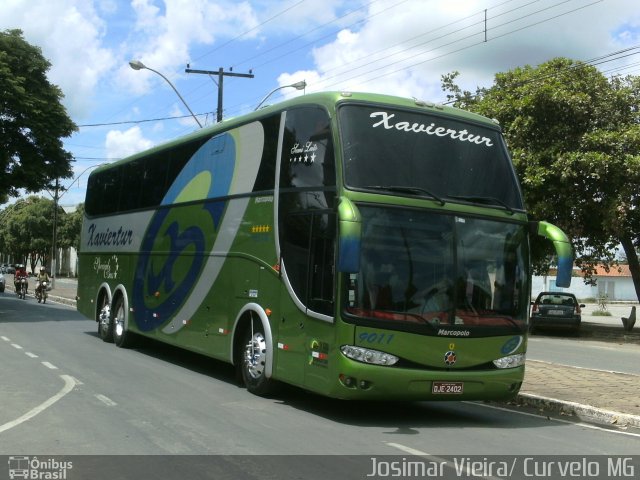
[616, 288]
[67, 262]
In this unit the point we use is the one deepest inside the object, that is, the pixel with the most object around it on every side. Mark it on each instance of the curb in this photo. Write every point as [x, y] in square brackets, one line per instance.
[62, 300]
[52, 298]
[583, 412]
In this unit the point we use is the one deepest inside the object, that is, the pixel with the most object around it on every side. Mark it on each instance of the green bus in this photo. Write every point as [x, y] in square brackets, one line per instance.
[359, 246]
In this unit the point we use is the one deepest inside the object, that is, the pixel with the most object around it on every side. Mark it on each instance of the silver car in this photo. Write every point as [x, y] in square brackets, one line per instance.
[3, 283]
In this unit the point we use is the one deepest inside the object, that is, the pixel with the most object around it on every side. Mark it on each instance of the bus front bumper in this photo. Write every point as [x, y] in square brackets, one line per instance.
[355, 380]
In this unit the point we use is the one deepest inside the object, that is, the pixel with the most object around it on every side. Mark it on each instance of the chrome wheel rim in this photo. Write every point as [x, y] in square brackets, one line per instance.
[104, 317]
[119, 321]
[255, 357]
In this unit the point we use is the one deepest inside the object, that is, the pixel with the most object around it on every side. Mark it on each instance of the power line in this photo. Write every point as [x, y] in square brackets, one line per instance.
[315, 40]
[592, 62]
[219, 47]
[294, 39]
[399, 43]
[404, 60]
[417, 55]
[462, 48]
[300, 47]
[131, 122]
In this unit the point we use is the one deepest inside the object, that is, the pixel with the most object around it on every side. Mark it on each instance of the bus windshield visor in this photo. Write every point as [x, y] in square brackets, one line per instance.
[423, 271]
[413, 153]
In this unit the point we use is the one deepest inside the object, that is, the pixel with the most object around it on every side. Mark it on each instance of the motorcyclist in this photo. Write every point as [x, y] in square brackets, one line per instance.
[21, 273]
[43, 276]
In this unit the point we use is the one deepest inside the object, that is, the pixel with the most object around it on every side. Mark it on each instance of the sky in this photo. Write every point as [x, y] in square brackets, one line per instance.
[399, 47]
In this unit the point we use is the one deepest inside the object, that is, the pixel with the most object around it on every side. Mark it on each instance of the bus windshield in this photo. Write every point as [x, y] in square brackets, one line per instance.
[439, 274]
[414, 153]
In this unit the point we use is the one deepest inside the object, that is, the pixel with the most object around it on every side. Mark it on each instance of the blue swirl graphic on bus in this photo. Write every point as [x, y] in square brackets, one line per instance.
[511, 345]
[183, 234]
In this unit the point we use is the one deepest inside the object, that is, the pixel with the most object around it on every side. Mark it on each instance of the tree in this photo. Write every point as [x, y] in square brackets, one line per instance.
[575, 141]
[26, 230]
[32, 120]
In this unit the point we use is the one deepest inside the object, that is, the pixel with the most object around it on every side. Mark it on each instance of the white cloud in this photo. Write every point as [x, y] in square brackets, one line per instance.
[120, 144]
[163, 38]
[186, 119]
[69, 32]
[302, 17]
[404, 48]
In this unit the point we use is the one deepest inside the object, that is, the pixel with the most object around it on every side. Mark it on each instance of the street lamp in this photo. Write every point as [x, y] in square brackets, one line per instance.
[138, 65]
[298, 86]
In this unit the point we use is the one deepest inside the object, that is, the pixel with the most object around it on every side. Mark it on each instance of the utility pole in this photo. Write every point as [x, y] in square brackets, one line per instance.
[221, 74]
[54, 248]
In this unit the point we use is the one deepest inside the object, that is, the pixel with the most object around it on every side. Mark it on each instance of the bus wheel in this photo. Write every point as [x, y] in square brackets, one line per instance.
[121, 336]
[105, 325]
[254, 360]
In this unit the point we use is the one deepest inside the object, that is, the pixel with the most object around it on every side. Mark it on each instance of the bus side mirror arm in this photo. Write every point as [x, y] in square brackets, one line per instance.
[563, 249]
[349, 235]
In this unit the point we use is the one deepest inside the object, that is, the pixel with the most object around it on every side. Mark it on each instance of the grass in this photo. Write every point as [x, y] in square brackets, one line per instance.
[601, 313]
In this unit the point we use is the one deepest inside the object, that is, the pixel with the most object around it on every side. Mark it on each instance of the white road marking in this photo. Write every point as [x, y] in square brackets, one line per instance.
[32, 355]
[5, 339]
[16, 346]
[69, 383]
[106, 400]
[443, 461]
[50, 365]
[559, 420]
[409, 450]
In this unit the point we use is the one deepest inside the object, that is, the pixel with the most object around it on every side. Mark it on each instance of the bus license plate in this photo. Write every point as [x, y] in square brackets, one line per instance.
[452, 388]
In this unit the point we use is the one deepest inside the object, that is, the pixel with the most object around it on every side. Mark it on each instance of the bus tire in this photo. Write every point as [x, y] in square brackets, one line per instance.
[122, 337]
[253, 357]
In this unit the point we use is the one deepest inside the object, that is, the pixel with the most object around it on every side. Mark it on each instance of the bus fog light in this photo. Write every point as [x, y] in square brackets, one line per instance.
[510, 361]
[364, 384]
[348, 382]
[366, 355]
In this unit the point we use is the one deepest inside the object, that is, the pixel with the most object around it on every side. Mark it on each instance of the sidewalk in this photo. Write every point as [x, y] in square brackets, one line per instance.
[591, 395]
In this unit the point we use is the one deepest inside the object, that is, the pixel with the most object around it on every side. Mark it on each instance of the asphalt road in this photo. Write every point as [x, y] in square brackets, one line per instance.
[607, 356]
[64, 391]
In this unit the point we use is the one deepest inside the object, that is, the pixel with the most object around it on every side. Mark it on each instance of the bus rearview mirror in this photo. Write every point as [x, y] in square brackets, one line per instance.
[350, 236]
[563, 249]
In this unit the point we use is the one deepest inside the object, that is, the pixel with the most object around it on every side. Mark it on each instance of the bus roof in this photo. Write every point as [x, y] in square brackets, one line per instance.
[327, 99]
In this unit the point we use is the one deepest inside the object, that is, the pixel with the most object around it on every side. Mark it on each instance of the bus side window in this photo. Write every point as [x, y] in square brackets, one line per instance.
[130, 187]
[266, 178]
[154, 177]
[323, 234]
[104, 188]
[307, 193]
[307, 153]
[309, 253]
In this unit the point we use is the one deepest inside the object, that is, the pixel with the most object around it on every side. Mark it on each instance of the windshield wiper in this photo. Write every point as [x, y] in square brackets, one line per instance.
[406, 189]
[485, 200]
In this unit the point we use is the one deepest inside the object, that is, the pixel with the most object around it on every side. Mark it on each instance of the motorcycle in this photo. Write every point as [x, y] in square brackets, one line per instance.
[41, 291]
[21, 288]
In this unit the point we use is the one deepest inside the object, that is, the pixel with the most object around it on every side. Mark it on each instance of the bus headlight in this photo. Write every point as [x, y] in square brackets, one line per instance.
[366, 355]
[510, 361]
